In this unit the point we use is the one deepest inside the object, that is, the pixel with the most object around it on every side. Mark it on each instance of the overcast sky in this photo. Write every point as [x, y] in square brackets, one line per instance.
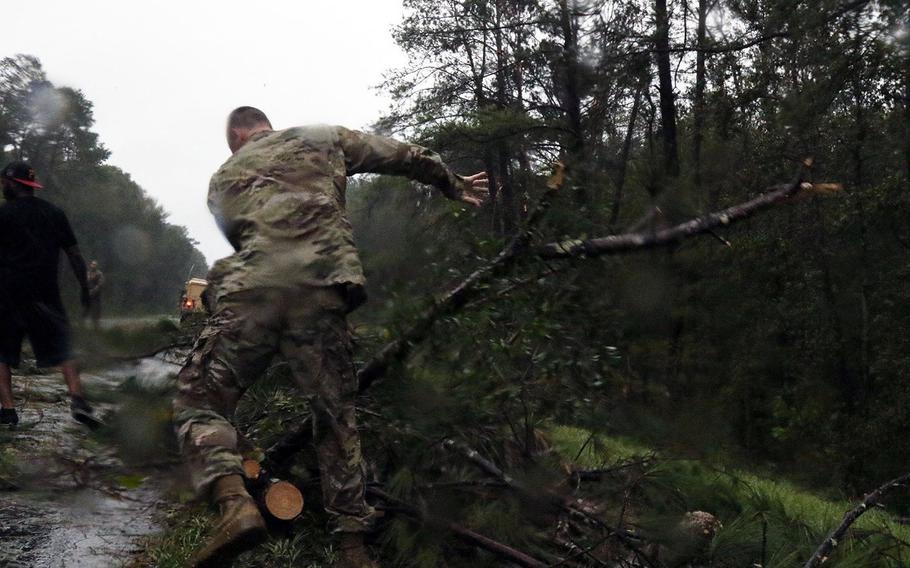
[163, 76]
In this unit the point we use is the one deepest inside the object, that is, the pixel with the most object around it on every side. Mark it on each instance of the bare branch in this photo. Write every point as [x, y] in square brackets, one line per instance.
[615, 244]
[830, 543]
[575, 506]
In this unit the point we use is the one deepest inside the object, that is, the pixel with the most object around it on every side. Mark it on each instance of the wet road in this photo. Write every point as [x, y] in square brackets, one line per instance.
[73, 504]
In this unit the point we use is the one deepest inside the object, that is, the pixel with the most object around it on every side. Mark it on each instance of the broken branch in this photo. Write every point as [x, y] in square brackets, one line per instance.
[459, 296]
[830, 543]
[475, 539]
[615, 244]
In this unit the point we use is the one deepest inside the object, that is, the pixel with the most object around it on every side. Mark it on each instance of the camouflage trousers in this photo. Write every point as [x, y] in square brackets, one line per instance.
[247, 329]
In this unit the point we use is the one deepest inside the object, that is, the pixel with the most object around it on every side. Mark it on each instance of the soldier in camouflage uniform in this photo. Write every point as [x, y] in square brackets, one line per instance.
[286, 290]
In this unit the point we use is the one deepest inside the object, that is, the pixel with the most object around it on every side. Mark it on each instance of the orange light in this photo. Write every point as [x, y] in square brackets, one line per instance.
[188, 304]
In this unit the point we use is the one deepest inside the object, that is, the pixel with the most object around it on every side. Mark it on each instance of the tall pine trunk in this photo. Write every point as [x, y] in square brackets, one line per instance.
[503, 155]
[626, 150]
[665, 87]
[571, 95]
[699, 98]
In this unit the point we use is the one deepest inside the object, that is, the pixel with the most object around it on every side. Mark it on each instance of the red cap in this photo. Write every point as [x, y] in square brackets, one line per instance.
[23, 173]
[29, 183]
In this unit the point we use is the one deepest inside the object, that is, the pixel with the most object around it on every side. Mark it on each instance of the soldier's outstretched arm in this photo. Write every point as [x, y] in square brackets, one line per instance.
[369, 153]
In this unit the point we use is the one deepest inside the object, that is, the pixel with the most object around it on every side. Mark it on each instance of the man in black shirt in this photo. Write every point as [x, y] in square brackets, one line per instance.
[32, 234]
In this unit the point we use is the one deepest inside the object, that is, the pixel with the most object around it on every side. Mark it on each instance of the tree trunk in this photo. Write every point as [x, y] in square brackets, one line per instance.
[907, 113]
[859, 181]
[626, 150]
[524, 163]
[506, 193]
[699, 99]
[667, 100]
[846, 384]
[571, 95]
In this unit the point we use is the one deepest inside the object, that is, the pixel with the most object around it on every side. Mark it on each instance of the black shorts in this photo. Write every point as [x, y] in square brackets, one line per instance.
[46, 327]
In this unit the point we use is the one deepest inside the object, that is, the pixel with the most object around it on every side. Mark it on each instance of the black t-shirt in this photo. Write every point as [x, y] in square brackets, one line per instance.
[32, 233]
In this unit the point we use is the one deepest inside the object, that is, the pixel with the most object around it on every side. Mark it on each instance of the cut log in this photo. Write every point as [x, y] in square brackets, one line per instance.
[283, 500]
[280, 499]
[252, 469]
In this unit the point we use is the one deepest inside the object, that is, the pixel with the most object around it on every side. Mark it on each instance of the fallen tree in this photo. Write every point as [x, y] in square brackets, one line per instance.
[398, 349]
[575, 515]
[458, 296]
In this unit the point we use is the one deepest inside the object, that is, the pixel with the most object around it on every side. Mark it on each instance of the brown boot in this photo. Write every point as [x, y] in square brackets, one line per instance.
[353, 553]
[240, 528]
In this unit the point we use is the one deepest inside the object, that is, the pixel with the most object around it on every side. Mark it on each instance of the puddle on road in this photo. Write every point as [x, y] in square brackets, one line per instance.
[52, 522]
[75, 529]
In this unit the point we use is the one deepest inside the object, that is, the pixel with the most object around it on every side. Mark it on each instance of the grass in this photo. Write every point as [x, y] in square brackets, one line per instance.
[303, 545]
[186, 530]
[766, 522]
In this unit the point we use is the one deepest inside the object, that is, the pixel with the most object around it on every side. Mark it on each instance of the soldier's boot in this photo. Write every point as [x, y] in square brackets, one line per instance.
[353, 553]
[239, 529]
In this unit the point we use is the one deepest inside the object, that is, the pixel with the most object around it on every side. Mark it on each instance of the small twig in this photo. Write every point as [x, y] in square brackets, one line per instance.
[583, 446]
[597, 474]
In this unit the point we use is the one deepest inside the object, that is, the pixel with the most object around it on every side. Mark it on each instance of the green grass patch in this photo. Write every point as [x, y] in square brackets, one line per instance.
[766, 522]
[305, 544]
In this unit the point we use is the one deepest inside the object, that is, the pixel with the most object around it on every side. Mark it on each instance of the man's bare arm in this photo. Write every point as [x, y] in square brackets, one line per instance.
[369, 153]
[80, 270]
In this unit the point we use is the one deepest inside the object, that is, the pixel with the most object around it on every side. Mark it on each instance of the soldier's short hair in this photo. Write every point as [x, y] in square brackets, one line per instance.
[247, 117]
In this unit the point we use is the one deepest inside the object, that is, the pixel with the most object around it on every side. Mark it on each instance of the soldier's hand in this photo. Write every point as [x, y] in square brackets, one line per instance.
[475, 190]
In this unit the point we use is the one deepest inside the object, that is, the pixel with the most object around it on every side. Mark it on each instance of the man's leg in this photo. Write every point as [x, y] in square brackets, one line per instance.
[80, 409]
[318, 349]
[232, 351]
[6, 387]
[11, 335]
[70, 371]
[48, 331]
[8, 415]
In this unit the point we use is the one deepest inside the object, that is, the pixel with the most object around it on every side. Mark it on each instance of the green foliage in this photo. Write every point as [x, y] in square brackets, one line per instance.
[306, 544]
[768, 522]
[697, 375]
[187, 530]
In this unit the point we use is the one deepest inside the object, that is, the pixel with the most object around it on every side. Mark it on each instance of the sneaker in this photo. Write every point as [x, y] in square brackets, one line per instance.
[83, 413]
[9, 416]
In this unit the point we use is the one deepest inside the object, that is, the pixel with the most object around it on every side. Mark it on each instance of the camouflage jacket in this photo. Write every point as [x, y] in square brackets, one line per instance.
[280, 200]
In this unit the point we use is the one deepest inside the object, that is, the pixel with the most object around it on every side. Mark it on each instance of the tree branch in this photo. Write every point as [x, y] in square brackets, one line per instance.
[475, 539]
[573, 506]
[846, 8]
[830, 543]
[615, 244]
[459, 296]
